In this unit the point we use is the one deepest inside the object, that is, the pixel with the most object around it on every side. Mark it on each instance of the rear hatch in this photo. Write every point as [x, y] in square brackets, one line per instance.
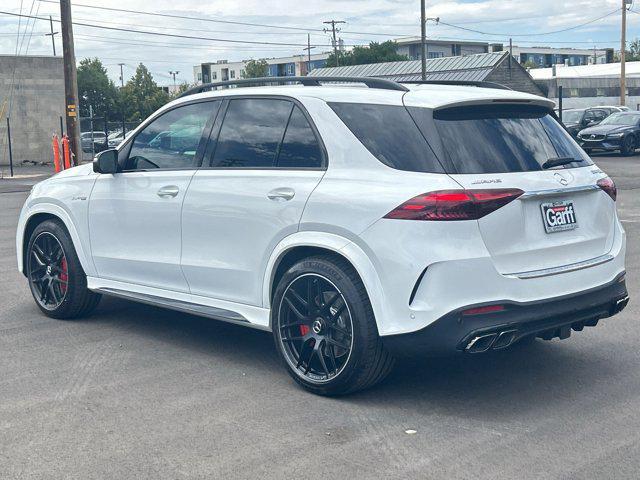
[561, 218]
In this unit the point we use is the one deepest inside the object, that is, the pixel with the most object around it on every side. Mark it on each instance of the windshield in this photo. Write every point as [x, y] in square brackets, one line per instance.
[572, 116]
[501, 138]
[621, 119]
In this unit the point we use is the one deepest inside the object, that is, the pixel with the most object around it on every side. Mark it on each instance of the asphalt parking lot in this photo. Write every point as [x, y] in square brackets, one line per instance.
[139, 392]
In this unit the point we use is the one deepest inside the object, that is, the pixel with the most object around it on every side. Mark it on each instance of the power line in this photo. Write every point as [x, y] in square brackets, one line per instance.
[174, 35]
[617, 10]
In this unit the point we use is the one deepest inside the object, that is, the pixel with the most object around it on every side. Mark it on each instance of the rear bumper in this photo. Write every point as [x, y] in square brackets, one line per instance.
[547, 319]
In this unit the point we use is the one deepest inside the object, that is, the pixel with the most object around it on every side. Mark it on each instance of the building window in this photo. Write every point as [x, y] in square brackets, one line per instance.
[199, 76]
[600, 92]
[290, 69]
[233, 74]
[214, 75]
[435, 55]
[573, 92]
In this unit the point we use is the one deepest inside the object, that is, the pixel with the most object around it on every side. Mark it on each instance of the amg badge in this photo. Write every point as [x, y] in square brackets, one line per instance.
[558, 216]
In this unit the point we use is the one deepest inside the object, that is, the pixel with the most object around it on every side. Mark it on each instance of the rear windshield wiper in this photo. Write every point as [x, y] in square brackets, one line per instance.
[558, 162]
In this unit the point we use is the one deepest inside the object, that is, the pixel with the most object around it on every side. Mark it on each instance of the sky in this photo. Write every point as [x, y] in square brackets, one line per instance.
[527, 22]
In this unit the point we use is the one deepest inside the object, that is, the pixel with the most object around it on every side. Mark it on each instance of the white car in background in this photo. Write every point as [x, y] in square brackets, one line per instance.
[355, 223]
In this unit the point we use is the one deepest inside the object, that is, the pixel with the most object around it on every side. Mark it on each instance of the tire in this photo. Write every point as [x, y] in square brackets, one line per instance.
[325, 330]
[56, 278]
[628, 146]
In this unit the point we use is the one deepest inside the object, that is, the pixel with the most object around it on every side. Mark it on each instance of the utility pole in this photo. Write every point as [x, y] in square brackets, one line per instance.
[333, 24]
[52, 35]
[623, 48]
[423, 38]
[174, 77]
[70, 79]
[121, 74]
[308, 49]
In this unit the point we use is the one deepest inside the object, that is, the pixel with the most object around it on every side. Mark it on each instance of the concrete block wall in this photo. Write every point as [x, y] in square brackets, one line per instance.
[36, 101]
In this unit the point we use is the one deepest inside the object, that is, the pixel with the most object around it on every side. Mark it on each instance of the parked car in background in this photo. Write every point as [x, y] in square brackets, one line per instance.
[99, 140]
[618, 132]
[576, 119]
[116, 138]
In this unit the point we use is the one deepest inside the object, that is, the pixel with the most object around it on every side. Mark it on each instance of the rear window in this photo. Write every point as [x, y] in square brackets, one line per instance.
[390, 134]
[501, 138]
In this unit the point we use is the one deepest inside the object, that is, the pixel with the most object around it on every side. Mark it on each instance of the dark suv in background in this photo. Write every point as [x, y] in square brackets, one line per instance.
[576, 119]
[619, 131]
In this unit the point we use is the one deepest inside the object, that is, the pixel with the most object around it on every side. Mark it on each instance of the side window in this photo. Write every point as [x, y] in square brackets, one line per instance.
[600, 115]
[251, 133]
[300, 147]
[171, 140]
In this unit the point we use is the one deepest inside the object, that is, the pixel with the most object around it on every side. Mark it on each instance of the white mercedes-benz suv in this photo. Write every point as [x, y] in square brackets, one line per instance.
[357, 222]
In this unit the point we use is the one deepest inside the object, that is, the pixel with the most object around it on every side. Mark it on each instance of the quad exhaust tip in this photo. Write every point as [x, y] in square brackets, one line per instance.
[495, 341]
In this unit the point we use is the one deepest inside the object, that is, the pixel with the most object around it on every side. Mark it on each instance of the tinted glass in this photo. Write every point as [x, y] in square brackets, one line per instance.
[251, 133]
[171, 141]
[390, 134]
[300, 148]
[572, 116]
[621, 119]
[504, 138]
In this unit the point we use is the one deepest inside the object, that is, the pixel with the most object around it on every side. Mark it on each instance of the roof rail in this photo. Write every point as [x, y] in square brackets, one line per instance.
[468, 83]
[370, 82]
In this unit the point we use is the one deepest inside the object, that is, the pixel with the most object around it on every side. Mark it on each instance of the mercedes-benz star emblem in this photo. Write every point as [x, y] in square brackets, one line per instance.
[561, 179]
[317, 327]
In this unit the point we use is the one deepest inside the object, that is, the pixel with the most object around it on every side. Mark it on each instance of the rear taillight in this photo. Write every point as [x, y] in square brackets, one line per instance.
[609, 187]
[450, 205]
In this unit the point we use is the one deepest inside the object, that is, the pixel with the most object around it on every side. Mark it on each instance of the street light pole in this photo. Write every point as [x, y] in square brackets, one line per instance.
[174, 77]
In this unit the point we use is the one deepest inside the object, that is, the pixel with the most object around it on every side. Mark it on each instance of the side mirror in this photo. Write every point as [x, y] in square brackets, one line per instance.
[106, 162]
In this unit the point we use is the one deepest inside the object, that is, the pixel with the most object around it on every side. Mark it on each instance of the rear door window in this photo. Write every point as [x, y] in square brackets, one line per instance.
[251, 133]
[501, 138]
[300, 147]
[390, 134]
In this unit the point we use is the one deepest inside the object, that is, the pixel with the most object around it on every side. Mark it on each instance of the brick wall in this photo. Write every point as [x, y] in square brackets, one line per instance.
[34, 105]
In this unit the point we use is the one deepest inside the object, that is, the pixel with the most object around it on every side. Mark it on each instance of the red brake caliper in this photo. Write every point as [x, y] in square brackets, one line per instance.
[64, 275]
[304, 329]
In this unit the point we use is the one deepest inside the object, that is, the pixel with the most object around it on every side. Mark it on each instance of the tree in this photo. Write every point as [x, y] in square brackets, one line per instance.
[529, 64]
[255, 69]
[141, 96]
[374, 53]
[96, 89]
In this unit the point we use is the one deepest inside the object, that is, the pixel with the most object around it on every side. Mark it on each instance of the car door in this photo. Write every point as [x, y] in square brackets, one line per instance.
[134, 216]
[265, 160]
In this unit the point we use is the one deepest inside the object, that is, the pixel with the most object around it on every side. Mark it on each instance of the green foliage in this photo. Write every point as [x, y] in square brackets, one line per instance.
[529, 64]
[141, 96]
[255, 69]
[374, 53]
[96, 89]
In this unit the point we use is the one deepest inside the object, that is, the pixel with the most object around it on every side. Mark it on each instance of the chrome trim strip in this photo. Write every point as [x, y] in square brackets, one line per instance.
[572, 267]
[558, 191]
[187, 307]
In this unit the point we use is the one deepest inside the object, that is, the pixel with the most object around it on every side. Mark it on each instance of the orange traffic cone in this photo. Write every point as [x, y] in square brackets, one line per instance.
[66, 151]
[56, 153]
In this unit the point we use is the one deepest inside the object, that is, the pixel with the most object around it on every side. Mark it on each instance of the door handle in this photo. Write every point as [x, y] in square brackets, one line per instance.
[168, 191]
[280, 194]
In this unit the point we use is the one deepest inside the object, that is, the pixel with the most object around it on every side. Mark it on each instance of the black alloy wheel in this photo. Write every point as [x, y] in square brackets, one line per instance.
[56, 278]
[316, 328]
[628, 146]
[48, 271]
